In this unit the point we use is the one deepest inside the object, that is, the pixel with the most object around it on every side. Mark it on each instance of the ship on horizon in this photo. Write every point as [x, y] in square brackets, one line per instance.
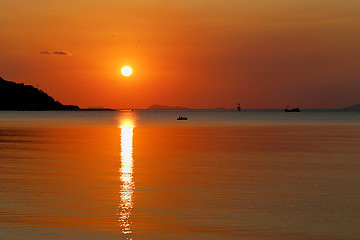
[292, 109]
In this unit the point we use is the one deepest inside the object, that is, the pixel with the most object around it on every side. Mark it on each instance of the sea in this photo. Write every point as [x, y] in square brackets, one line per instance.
[143, 174]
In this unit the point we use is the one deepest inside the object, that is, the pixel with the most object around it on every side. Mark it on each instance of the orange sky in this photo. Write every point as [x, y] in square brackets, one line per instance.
[199, 54]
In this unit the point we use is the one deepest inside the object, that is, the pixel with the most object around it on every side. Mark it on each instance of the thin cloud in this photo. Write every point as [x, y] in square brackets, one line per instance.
[61, 53]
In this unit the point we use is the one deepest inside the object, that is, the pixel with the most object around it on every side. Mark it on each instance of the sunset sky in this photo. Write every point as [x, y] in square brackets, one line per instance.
[199, 54]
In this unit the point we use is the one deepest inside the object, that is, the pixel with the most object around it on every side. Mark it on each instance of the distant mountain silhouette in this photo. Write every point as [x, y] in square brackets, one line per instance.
[353, 107]
[157, 106]
[17, 96]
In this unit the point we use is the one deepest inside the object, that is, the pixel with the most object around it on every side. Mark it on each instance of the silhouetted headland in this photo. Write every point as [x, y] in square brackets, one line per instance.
[21, 97]
[157, 106]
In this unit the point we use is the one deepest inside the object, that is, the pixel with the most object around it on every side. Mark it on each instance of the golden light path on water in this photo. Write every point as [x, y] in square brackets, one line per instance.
[126, 176]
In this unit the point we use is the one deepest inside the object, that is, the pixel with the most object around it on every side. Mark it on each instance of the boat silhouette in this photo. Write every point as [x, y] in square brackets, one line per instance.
[182, 118]
[292, 110]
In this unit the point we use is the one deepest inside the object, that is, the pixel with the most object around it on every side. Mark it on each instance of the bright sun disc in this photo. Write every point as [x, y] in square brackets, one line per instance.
[126, 71]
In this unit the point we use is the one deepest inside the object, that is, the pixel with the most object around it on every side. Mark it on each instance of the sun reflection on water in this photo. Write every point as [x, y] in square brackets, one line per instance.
[126, 176]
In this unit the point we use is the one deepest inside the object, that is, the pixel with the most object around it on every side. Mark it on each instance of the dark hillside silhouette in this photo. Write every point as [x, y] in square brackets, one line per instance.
[17, 96]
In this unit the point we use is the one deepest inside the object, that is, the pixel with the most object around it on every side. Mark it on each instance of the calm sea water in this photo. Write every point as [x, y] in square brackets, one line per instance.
[142, 174]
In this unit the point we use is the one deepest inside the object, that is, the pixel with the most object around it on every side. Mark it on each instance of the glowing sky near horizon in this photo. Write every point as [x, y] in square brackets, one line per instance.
[199, 54]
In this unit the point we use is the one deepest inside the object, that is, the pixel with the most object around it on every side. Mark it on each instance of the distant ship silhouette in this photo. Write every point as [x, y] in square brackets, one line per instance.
[292, 110]
[239, 107]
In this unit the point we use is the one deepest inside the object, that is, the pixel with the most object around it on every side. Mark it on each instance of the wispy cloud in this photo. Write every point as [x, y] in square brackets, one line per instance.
[61, 53]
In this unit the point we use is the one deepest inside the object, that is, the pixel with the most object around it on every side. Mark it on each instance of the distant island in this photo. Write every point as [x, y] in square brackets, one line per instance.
[355, 107]
[157, 106]
[97, 109]
[21, 97]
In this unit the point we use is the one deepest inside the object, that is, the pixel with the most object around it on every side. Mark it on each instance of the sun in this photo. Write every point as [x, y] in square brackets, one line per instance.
[126, 71]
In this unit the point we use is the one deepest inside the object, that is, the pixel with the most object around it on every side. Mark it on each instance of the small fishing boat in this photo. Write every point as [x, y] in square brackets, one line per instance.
[182, 118]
